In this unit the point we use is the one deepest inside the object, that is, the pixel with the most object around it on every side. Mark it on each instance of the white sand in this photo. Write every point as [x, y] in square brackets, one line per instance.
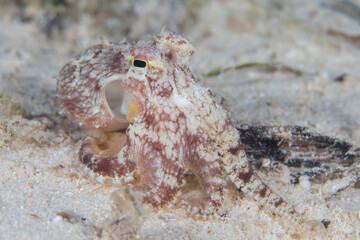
[44, 193]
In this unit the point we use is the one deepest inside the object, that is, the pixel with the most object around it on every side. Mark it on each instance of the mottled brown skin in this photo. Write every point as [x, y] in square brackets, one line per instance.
[181, 125]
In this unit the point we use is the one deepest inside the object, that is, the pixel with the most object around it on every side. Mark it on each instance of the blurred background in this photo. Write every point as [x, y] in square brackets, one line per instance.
[275, 62]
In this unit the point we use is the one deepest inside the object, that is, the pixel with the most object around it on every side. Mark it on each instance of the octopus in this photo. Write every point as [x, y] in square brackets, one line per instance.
[159, 123]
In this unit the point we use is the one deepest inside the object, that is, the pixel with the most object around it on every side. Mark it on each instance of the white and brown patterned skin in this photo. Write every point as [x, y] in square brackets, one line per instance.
[181, 125]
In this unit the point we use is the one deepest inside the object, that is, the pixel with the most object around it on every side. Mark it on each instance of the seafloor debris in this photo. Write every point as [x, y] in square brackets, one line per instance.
[320, 158]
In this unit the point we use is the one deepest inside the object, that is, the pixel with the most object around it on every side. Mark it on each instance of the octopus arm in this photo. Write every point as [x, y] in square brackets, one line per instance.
[160, 175]
[107, 163]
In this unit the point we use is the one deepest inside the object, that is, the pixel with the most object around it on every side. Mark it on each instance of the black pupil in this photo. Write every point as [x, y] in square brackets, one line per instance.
[139, 63]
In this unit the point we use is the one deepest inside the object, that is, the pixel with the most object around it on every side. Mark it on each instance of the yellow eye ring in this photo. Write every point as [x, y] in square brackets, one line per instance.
[140, 64]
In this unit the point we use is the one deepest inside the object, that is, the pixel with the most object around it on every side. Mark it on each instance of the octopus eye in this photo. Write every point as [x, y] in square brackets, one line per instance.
[140, 64]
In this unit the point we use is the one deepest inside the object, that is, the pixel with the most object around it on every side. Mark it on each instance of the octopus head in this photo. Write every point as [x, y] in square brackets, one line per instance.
[106, 86]
[158, 67]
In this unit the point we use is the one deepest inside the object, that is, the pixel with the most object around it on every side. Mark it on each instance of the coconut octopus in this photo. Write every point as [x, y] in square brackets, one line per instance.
[173, 124]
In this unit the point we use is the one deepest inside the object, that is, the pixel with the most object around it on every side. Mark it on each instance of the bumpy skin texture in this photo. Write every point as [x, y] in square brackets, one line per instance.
[181, 125]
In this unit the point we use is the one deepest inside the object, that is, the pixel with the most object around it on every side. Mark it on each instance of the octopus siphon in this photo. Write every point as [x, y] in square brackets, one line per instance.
[171, 124]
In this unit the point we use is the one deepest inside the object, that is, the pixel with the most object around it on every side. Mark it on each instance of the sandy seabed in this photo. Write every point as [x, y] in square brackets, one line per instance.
[44, 193]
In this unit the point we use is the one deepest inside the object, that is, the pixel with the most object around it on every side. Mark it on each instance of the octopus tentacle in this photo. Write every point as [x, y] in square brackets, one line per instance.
[107, 162]
[160, 176]
[203, 161]
[246, 180]
[82, 84]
